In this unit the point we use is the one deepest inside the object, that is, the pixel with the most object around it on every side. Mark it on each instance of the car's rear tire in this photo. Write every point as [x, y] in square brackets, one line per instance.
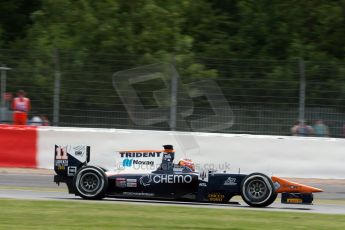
[257, 190]
[90, 183]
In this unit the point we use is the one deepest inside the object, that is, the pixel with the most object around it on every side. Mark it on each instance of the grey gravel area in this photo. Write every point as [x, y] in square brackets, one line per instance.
[28, 180]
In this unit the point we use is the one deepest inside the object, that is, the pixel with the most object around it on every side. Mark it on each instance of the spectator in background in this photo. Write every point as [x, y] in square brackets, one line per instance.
[36, 121]
[21, 107]
[45, 121]
[302, 129]
[320, 129]
[41, 120]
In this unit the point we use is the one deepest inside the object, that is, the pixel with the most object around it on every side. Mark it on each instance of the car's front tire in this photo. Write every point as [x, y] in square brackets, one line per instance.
[257, 190]
[90, 183]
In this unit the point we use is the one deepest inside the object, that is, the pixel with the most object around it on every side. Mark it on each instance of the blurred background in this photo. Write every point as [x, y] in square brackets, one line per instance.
[273, 62]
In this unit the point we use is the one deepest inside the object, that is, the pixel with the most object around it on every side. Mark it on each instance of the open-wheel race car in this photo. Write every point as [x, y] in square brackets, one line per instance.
[168, 180]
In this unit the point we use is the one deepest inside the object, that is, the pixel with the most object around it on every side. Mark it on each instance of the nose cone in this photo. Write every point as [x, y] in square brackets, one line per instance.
[283, 185]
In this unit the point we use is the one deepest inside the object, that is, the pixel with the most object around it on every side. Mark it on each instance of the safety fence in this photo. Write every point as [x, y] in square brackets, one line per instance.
[184, 94]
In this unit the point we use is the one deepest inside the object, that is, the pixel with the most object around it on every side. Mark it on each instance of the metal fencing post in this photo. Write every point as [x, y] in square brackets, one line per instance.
[57, 85]
[3, 70]
[302, 89]
[173, 97]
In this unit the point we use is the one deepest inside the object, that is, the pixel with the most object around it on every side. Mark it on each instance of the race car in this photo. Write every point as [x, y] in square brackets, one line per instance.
[169, 180]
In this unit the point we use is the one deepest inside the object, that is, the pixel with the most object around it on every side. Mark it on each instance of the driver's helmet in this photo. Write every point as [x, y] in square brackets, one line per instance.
[187, 163]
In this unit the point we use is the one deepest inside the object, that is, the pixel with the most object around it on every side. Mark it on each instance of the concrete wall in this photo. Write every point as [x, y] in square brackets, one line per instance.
[273, 155]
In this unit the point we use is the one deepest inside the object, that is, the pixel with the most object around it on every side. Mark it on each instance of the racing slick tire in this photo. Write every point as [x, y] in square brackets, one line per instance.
[90, 183]
[257, 190]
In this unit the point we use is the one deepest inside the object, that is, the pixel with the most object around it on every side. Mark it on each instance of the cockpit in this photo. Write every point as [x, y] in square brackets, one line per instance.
[184, 165]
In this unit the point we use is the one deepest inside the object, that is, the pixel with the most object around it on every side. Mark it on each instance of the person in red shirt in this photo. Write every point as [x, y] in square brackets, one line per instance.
[45, 120]
[21, 107]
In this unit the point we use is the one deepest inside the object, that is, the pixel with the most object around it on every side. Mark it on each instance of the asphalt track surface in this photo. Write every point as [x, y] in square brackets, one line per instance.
[40, 186]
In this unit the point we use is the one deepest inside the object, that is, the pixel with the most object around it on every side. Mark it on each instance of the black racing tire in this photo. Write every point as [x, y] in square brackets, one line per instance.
[257, 190]
[90, 183]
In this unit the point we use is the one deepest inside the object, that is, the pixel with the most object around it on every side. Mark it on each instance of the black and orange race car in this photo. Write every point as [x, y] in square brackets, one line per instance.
[169, 180]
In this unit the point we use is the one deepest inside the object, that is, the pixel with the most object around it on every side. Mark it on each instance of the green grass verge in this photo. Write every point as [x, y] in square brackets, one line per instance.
[24, 214]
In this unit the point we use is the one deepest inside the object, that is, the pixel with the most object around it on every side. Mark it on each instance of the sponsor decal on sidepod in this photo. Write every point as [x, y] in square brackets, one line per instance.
[131, 162]
[165, 179]
[230, 181]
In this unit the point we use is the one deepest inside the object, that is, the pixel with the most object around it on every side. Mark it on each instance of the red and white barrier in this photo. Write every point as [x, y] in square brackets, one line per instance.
[18, 146]
[283, 156]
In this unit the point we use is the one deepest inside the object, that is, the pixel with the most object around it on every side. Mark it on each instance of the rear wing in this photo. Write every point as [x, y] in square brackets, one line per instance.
[69, 158]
